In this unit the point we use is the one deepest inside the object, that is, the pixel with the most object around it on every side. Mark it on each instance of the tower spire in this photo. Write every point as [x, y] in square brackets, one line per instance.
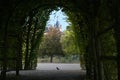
[57, 23]
[57, 18]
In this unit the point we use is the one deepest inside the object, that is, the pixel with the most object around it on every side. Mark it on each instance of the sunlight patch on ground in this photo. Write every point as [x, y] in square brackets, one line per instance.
[61, 66]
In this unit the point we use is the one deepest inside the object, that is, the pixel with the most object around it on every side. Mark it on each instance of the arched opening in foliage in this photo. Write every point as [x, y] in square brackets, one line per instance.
[96, 22]
[34, 30]
[58, 44]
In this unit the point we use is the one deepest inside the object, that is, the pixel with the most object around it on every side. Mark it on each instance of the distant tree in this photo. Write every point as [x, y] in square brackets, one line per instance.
[68, 42]
[51, 43]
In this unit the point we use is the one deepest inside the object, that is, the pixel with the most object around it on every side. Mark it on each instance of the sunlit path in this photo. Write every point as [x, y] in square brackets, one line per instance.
[61, 66]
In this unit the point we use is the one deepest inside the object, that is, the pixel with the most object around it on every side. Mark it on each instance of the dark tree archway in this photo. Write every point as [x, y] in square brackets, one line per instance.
[21, 33]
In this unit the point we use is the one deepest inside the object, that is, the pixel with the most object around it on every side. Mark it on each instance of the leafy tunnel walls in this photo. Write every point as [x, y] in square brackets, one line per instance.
[92, 20]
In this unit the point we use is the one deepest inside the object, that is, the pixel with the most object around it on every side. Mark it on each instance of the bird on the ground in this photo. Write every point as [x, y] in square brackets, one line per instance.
[57, 68]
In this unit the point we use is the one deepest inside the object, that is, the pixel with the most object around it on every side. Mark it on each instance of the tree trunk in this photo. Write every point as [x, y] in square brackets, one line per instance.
[117, 36]
[19, 54]
[27, 45]
[98, 56]
[51, 58]
[27, 49]
[94, 46]
[88, 64]
[93, 50]
[116, 16]
[32, 45]
[3, 73]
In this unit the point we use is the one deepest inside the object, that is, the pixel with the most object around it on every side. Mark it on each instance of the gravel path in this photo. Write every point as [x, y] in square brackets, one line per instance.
[61, 66]
[50, 74]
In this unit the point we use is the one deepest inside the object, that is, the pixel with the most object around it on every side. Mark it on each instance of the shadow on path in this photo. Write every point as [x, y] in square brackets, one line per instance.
[48, 75]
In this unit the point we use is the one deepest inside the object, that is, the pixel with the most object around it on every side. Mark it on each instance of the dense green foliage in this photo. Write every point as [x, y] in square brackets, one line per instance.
[70, 45]
[33, 30]
[68, 42]
[96, 45]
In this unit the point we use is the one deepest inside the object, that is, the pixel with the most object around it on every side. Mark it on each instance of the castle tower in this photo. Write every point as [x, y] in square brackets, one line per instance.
[58, 25]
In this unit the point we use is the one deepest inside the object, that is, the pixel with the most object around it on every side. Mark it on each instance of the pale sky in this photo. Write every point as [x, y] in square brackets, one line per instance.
[62, 18]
